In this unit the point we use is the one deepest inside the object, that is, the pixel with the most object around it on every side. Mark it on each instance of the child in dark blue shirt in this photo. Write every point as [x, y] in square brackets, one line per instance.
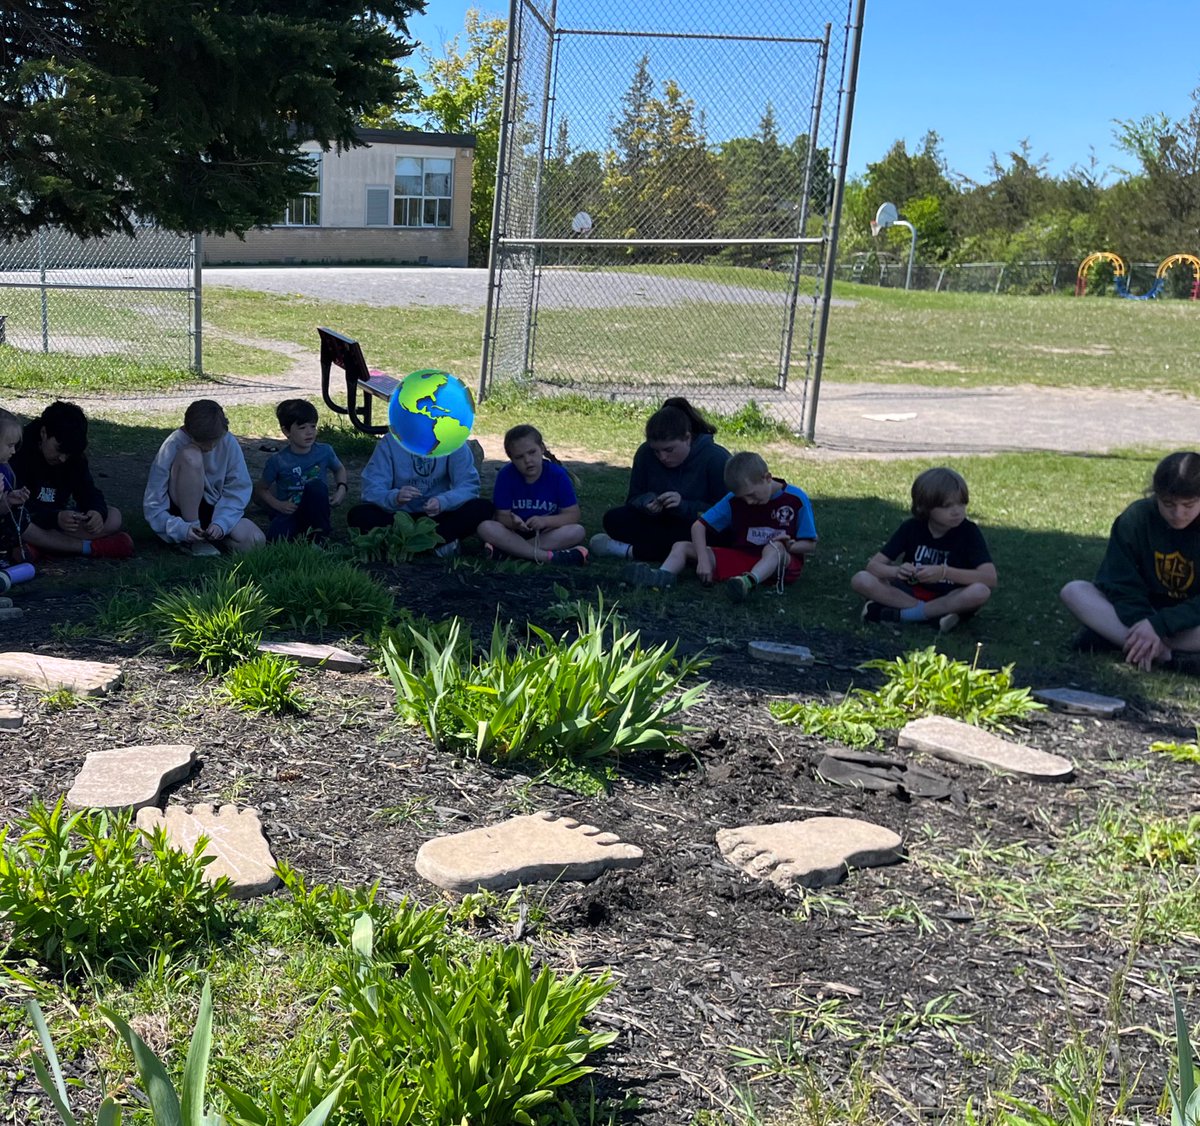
[537, 512]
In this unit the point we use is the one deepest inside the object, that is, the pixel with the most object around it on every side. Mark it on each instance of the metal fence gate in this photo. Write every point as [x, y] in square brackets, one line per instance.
[133, 301]
[667, 199]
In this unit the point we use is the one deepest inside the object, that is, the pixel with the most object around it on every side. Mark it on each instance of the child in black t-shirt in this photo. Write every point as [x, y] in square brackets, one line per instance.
[936, 568]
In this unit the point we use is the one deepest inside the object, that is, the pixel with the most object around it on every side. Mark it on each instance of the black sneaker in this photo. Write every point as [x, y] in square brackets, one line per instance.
[643, 574]
[877, 612]
[570, 556]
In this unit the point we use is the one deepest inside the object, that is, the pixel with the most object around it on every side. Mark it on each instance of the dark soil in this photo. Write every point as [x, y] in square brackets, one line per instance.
[705, 959]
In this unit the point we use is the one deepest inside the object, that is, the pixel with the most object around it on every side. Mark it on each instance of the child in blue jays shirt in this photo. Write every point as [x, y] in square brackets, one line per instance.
[771, 528]
[294, 485]
[537, 512]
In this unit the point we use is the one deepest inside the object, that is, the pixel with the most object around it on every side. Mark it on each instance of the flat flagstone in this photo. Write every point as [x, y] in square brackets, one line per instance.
[812, 853]
[235, 841]
[10, 717]
[304, 653]
[1076, 702]
[781, 653]
[131, 777]
[84, 678]
[523, 850]
[11, 613]
[961, 742]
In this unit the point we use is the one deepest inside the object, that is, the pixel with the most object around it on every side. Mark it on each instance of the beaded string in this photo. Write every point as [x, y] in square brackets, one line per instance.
[537, 546]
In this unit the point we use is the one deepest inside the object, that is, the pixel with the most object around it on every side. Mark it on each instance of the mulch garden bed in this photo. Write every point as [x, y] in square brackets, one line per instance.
[704, 958]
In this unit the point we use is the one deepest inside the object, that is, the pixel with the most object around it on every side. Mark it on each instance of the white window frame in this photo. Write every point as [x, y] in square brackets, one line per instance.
[442, 204]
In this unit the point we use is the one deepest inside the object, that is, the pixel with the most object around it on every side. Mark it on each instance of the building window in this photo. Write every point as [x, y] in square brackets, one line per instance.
[423, 192]
[304, 209]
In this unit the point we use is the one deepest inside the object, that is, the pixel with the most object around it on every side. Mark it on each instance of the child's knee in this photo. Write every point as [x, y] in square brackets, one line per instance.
[246, 535]
[190, 459]
[977, 594]
[862, 582]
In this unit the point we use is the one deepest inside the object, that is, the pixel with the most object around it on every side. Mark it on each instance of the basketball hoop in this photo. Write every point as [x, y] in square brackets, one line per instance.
[875, 229]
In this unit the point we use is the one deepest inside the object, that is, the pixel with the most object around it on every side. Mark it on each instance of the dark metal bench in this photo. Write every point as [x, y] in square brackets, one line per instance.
[363, 386]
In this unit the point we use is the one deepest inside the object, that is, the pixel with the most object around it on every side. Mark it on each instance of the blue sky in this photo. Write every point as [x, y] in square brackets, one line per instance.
[987, 75]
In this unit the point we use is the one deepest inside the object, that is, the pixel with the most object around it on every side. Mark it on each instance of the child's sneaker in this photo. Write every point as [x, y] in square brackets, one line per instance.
[947, 622]
[739, 587]
[493, 554]
[877, 612]
[570, 556]
[603, 544]
[642, 574]
[202, 549]
[446, 550]
[117, 546]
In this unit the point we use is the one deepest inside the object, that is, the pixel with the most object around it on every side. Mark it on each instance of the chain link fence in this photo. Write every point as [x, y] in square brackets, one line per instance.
[132, 300]
[667, 194]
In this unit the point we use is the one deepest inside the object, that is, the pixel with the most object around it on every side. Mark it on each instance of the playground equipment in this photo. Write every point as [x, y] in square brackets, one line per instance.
[1121, 275]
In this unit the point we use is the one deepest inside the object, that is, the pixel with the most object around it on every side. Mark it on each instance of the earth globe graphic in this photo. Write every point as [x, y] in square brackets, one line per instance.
[431, 413]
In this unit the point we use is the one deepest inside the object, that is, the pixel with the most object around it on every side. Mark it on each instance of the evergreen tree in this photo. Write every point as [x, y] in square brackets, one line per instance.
[188, 114]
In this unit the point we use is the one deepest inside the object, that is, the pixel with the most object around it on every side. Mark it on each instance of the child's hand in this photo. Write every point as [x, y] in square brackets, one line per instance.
[339, 495]
[70, 521]
[14, 498]
[91, 523]
[432, 506]
[667, 500]
[1143, 646]
[409, 492]
[519, 525]
[213, 533]
[536, 524]
[285, 507]
[704, 569]
[929, 573]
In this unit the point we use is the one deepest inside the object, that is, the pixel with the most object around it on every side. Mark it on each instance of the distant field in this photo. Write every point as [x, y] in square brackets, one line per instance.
[878, 335]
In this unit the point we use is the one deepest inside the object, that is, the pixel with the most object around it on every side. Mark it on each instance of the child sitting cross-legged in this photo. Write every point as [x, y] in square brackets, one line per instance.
[198, 486]
[68, 514]
[936, 568]
[294, 485]
[537, 512]
[771, 529]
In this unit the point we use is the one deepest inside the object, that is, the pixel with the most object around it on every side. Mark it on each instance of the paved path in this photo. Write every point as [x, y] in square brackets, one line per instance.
[853, 419]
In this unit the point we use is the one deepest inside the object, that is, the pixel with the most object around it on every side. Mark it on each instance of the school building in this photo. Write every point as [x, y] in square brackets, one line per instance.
[402, 198]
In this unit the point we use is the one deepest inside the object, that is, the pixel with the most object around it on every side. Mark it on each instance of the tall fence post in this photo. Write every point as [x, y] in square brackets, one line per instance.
[41, 245]
[197, 304]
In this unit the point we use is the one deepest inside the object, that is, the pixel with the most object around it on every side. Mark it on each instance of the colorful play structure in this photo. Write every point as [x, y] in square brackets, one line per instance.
[1121, 275]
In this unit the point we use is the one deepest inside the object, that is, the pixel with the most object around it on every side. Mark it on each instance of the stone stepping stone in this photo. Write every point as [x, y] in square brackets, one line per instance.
[326, 656]
[961, 742]
[780, 653]
[131, 777]
[523, 850]
[11, 613]
[10, 717]
[84, 678]
[812, 853]
[1075, 702]
[235, 841]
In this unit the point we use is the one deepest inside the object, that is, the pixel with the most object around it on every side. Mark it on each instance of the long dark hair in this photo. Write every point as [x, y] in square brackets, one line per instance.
[676, 419]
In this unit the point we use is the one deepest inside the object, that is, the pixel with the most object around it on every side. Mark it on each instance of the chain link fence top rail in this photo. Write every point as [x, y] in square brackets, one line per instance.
[662, 202]
[131, 299]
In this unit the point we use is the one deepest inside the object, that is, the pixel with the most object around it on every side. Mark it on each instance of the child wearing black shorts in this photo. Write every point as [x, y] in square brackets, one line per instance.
[936, 568]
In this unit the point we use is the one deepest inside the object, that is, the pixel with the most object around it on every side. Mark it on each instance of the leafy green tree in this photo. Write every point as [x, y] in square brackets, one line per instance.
[188, 114]
[661, 180]
[465, 94]
[918, 185]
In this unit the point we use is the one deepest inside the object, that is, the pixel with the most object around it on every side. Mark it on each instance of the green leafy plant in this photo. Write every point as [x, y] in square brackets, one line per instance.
[168, 1107]
[92, 887]
[312, 591]
[264, 684]
[122, 615]
[1184, 1096]
[926, 682]
[217, 624]
[1158, 842]
[481, 1040]
[584, 700]
[1180, 752]
[923, 682]
[564, 608]
[398, 541]
[62, 700]
[397, 638]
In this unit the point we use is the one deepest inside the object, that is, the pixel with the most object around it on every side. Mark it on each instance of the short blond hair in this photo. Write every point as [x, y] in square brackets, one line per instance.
[744, 469]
